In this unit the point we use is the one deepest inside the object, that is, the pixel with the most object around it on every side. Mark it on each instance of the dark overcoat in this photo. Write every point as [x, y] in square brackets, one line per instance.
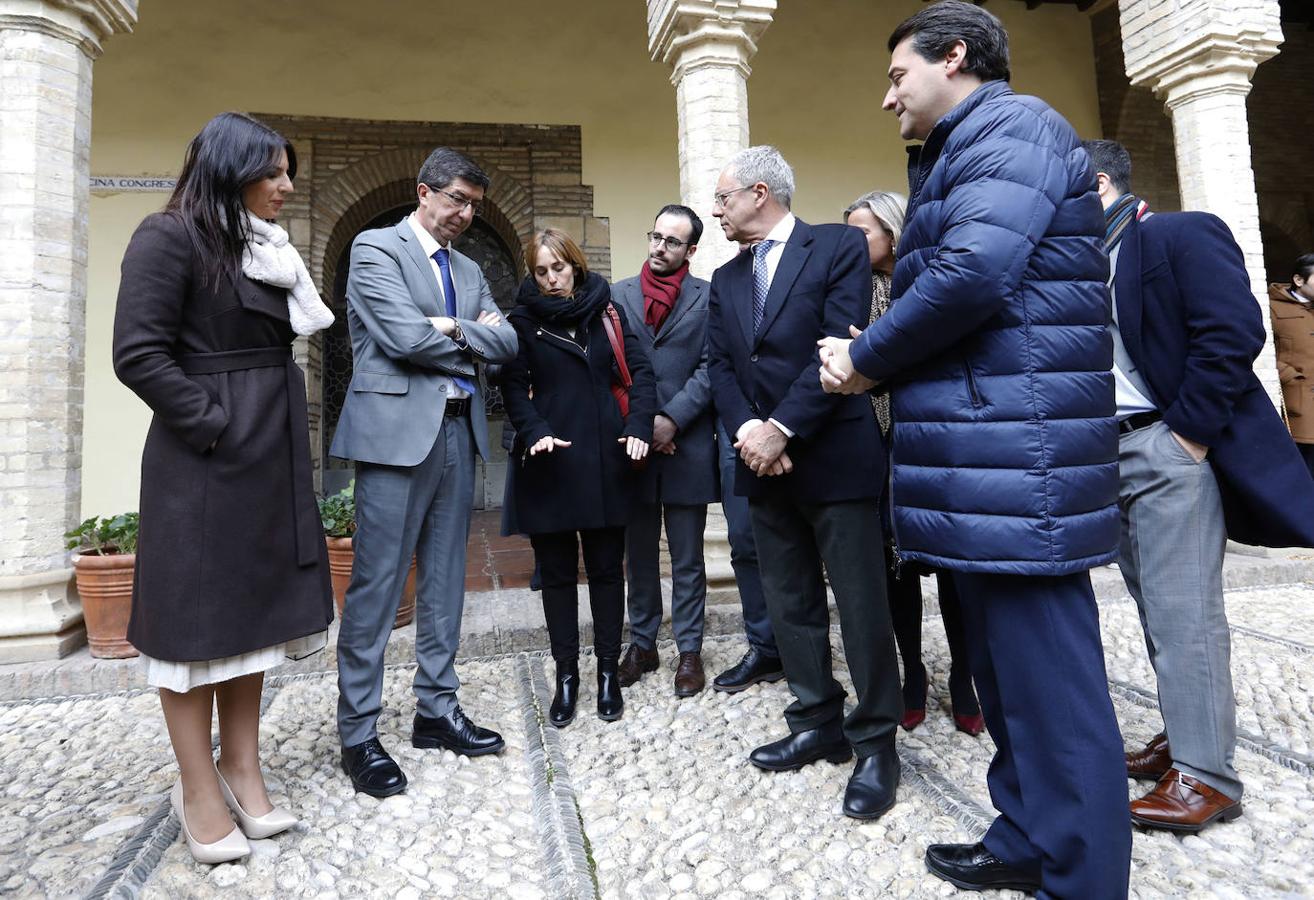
[822, 284]
[231, 556]
[1194, 330]
[589, 484]
[678, 353]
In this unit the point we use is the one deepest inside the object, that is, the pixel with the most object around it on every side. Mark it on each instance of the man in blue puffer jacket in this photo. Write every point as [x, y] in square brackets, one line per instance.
[1005, 446]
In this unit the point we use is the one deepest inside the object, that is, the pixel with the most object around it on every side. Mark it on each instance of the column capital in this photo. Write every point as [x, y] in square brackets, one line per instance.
[691, 34]
[1197, 47]
[86, 23]
[1213, 64]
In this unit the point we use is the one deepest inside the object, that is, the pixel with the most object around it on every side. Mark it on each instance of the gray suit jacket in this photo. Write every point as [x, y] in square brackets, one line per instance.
[401, 365]
[679, 360]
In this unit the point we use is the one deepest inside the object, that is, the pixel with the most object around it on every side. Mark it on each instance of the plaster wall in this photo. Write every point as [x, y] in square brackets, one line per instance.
[815, 91]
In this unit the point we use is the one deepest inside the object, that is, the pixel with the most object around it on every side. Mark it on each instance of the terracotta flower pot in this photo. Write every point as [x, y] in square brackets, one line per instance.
[341, 556]
[105, 586]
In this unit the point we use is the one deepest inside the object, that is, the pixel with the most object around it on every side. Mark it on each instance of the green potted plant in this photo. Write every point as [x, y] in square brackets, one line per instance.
[105, 561]
[337, 513]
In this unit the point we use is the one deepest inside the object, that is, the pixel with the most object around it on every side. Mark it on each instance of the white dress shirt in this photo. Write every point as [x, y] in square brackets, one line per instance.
[780, 234]
[430, 246]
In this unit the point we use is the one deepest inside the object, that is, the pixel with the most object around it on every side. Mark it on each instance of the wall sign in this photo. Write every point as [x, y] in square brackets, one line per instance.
[114, 183]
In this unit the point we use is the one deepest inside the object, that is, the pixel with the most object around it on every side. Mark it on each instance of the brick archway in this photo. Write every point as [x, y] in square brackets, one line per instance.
[385, 180]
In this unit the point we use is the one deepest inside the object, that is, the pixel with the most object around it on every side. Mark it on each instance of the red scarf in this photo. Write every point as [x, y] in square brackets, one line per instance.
[659, 293]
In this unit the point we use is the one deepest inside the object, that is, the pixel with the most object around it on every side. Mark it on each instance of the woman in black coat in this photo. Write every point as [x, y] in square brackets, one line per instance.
[575, 454]
[232, 572]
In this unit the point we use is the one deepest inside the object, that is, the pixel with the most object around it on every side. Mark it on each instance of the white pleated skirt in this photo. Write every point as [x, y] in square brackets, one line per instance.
[181, 677]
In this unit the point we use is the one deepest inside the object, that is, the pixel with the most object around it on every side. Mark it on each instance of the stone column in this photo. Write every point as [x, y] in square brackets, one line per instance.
[1199, 56]
[708, 44]
[46, 52]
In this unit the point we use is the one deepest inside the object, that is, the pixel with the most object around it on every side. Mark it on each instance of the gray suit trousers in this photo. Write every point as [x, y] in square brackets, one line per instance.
[1171, 556]
[684, 537]
[401, 510]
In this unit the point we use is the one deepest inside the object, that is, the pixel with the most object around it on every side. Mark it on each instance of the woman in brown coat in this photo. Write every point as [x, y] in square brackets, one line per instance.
[1292, 311]
[232, 573]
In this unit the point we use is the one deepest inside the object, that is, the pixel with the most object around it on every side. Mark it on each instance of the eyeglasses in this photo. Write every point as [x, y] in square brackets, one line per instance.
[672, 244]
[460, 202]
[719, 199]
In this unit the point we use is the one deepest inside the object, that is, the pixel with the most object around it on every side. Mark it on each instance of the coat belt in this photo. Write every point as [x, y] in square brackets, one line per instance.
[305, 511]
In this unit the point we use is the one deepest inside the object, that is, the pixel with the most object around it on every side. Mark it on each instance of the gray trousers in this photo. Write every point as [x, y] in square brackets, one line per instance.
[403, 510]
[684, 538]
[794, 540]
[1171, 556]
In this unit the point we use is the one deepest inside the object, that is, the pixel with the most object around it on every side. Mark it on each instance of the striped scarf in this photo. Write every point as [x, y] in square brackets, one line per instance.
[1118, 216]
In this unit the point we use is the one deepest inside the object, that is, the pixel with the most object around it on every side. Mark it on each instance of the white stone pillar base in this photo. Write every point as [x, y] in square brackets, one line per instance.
[40, 616]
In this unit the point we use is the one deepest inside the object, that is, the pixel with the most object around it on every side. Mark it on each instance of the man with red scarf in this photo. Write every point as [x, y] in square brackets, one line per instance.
[681, 478]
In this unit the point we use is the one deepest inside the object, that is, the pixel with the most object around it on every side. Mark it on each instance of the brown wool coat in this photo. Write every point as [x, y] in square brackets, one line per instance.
[1293, 337]
[231, 556]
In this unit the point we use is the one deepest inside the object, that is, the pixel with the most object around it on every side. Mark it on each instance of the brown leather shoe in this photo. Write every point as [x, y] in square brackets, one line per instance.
[689, 677]
[636, 662]
[1151, 762]
[1182, 803]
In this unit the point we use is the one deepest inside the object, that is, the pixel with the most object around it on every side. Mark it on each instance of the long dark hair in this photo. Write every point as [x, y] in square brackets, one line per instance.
[232, 151]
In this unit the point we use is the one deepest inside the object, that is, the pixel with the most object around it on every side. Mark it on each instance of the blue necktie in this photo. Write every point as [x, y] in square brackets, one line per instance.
[760, 282]
[440, 256]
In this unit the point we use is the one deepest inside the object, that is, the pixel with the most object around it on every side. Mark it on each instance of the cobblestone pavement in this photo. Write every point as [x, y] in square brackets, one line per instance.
[662, 804]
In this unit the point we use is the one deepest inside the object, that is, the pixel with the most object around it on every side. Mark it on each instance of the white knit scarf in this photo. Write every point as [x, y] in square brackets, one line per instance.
[269, 257]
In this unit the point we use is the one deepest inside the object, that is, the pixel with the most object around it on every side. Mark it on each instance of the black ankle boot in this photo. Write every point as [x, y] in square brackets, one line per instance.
[562, 711]
[611, 705]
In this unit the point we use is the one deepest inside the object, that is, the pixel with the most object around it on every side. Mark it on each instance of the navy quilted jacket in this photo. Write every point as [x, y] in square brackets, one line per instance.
[997, 348]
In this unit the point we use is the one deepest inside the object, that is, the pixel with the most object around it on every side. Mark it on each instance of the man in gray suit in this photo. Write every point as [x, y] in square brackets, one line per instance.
[421, 318]
[681, 478]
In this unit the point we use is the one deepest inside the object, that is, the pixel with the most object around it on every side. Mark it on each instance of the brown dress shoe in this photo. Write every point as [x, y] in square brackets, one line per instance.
[636, 662]
[1182, 803]
[1150, 763]
[689, 677]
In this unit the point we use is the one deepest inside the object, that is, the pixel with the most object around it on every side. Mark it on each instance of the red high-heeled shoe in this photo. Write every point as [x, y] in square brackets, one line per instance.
[915, 715]
[912, 718]
[972, 725]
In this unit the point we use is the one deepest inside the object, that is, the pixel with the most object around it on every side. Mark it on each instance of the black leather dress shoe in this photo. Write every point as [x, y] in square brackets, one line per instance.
[803, 747]
[871, 788]
[754, 667]
[974, 868]
[454, 732]
[371, 770]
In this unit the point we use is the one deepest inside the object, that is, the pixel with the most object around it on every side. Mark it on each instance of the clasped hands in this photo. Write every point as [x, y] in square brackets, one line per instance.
[838, 376]
[761, 446]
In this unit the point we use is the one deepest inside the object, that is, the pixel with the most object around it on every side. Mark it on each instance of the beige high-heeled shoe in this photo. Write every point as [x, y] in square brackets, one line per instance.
[228, 848]
[256, 827]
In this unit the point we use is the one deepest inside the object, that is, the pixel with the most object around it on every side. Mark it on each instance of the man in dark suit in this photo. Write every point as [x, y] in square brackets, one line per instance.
[812, 467]
[681, 478]
[1202, 455]
[421, 317]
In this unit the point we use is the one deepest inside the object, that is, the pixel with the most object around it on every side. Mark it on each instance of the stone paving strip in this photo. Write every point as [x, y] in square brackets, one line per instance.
[661, 804]
[672, 807]
[1281, 612]
[80, 776]
[1274, 683]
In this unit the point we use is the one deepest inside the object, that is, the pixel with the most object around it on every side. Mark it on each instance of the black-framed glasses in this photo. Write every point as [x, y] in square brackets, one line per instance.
[459, 201]
[672, 244]
[719, 199]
